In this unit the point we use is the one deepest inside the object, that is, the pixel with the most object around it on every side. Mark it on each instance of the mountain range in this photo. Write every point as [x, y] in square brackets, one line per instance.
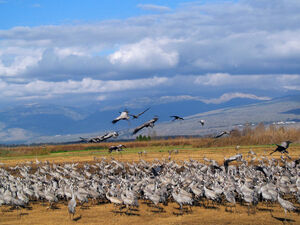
[38, 123]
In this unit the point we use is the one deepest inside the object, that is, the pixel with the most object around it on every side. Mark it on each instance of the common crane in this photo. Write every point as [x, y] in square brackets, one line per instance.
[138, 115]
[72, 205]
[286, 205]
[221, 134]
[149, 123]
[117, 148]
[124, 116]
[100, 138]
[282, 148]
[202, 122]
[231, 159]
[176, 118]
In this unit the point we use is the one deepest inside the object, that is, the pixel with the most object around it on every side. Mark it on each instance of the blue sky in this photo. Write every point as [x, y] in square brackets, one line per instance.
[50, 12]
[73, 53]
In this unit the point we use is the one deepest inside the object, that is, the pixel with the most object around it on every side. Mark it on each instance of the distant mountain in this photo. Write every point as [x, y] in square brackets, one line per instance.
[53, 123]
[283, 110]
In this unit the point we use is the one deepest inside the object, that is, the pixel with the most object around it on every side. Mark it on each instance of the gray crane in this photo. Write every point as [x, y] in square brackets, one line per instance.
[221, 134]
[123, 116]
[117, 148]
[202, 122]
[231, 159]
[138, 115]
[286, 205]
[176, 118]
[72, 205]
[149, 123]
[282, 148]
[100, 138]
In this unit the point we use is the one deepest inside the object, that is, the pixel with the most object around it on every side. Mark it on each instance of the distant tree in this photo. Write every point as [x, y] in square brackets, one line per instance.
[247, 130]
[235, 133]
[260, 128]
[272, 128]
[143, 138]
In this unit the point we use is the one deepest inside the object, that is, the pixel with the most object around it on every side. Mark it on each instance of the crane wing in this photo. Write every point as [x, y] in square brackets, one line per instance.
[142, 112]
[139, 128]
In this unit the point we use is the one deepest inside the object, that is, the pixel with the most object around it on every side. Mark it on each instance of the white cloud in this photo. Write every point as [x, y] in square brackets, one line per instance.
[257, 81]
[159, 8]
[101, 98]
[234, 45]
[15, 134]
[146, 54]
[294, 87]
[44, 89]
[36, 5]
[177, 98]
[229, 96]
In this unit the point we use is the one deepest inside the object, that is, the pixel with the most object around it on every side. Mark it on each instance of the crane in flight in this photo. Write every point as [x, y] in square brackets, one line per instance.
[100, 138]
[202, 122]
[149, 123]
[222, 133]
[123, 116]
[176, 118]
[138, 115]
[282, 148]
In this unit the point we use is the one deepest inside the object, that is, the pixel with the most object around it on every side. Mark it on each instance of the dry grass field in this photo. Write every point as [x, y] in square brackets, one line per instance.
[105, 213]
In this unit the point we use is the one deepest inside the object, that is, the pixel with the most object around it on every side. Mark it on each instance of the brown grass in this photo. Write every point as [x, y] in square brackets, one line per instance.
[260, 135]
[103, 213]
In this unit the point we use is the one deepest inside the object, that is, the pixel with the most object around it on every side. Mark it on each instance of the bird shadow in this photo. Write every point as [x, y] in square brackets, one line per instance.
[182, 211]
[84, 207]
[265, 210]
[24, 214]
[77, 218]
[158, 210]
[54, 207]
[281, 219]
[131, 214]
[126, 213]
[210, 207]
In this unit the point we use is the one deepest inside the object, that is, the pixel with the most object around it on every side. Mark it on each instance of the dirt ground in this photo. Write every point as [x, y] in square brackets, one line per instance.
[107, 214]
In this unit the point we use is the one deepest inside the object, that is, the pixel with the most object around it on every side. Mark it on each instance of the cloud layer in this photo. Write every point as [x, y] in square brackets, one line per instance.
[199, 49]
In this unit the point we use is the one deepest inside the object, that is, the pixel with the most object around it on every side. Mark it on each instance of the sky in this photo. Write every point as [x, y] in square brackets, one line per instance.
[79, 52]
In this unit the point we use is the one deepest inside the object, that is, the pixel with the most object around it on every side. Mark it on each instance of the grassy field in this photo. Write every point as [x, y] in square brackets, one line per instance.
[104, 213]
[185, 152]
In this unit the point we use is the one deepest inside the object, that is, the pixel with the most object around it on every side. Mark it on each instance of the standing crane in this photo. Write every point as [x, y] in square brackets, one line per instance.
[72, 206]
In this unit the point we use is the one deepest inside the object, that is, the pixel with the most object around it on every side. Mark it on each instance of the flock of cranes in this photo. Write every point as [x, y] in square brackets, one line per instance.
[189, 183]
[126, 116]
